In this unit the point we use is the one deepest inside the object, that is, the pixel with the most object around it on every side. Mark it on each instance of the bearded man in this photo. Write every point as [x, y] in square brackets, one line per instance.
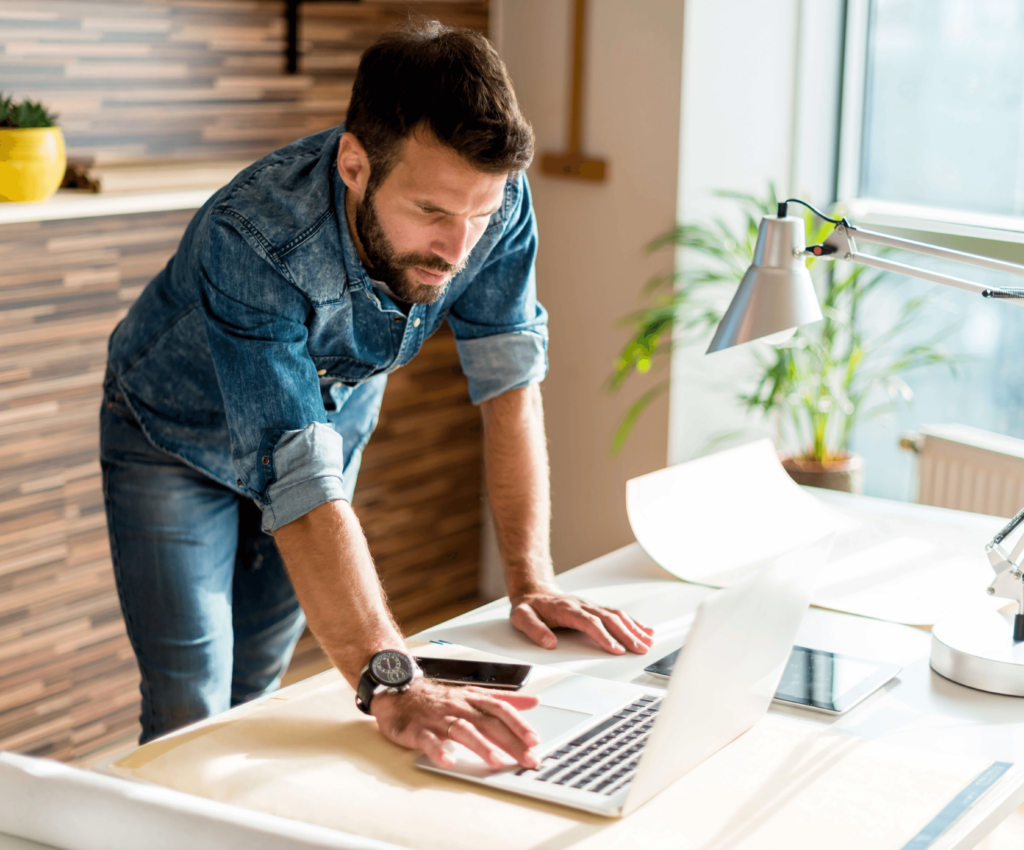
[247, 378]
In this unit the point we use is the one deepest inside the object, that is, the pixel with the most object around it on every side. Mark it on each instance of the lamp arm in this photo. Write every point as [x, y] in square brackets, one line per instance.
[913, 271]
[1007, 530]
[936, 251]
[840, 245]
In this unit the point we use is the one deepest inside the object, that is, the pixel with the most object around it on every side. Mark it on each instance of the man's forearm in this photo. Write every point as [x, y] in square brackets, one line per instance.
[336, 582]
[515, 452]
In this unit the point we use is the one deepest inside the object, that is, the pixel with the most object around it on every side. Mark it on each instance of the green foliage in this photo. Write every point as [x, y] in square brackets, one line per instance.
[816, 386]
[23, 115]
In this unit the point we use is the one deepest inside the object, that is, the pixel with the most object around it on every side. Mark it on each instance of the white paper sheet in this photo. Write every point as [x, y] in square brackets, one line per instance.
[713, 519]
[70, 809]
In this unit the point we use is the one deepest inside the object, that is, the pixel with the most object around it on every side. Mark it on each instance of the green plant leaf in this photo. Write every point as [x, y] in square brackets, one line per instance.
[24, 115]
[635, 409]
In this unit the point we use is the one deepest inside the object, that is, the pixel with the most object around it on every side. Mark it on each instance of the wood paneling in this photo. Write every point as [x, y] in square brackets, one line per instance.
[68, 679]
[138, 80]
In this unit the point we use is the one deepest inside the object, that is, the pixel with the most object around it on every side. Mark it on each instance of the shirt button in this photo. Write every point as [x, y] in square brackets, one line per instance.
[398, 318]
[321, 372]
[415, 323]
[266, 460]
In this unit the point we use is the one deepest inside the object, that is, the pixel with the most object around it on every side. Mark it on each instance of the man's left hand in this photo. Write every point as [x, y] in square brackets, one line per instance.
[535, 613]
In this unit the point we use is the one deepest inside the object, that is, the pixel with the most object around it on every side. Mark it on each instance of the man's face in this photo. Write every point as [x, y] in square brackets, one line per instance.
[419, 226]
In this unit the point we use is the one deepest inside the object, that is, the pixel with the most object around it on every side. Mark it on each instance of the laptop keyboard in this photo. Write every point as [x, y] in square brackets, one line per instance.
[603, 759]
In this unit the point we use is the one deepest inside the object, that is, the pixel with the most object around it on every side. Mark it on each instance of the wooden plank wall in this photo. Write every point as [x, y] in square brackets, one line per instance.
[68, 680]
[142, 80]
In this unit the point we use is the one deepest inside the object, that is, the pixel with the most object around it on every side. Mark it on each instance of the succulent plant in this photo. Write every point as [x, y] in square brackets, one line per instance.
[23, 115]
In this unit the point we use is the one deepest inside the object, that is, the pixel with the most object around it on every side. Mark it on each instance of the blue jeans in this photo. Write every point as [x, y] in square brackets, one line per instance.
[209, 608]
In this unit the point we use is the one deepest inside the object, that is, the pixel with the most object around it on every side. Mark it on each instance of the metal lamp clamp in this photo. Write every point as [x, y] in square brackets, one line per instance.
[1009, 580]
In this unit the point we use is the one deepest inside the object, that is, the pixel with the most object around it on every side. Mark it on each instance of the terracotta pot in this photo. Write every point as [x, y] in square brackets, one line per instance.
[846, 474]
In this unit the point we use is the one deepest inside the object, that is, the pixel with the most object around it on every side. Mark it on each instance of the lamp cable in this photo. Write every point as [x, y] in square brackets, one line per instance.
[784, 210]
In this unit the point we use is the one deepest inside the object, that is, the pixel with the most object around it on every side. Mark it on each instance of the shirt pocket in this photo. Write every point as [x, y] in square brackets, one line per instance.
[333, 368]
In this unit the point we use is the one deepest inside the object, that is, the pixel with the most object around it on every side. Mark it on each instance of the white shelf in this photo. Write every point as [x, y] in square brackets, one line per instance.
[76, 204]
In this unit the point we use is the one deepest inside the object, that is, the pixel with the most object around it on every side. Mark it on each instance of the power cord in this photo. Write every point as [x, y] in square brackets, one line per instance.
[784, 210]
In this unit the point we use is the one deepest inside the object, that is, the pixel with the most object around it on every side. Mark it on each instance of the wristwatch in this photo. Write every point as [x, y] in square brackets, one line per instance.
[388, 670]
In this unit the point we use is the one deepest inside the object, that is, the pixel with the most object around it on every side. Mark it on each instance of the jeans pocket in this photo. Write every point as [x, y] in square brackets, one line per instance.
[113, 398]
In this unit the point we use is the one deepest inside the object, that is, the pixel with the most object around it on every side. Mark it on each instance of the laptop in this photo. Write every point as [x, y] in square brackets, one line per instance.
[609, 747]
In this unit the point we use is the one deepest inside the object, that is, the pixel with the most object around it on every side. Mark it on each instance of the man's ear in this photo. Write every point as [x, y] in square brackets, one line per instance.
[353, 165]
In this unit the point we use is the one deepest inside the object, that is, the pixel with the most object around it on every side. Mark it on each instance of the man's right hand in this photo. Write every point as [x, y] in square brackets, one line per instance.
[485, 721]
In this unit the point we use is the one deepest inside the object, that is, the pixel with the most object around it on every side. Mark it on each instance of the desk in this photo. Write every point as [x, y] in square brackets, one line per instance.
[919, 709]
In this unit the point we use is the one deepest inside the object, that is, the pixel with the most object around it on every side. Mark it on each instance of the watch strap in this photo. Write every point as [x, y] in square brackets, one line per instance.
[364, 690]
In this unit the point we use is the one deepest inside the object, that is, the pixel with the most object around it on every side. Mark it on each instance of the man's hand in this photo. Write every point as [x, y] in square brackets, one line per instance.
[536, 612]
[485, 721]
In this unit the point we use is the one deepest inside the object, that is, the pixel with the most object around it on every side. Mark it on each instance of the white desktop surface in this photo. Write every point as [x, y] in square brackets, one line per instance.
[917, 709]
[9, 842]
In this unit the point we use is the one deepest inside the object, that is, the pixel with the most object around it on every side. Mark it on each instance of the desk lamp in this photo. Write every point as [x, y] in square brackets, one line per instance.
[981, 648]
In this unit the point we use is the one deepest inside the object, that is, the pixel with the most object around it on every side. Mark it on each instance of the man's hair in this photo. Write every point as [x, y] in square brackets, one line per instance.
[448, 81]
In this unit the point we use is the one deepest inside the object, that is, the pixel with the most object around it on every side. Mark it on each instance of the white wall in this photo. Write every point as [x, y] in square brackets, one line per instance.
[760, 100]
[681, 99]
[591, 263]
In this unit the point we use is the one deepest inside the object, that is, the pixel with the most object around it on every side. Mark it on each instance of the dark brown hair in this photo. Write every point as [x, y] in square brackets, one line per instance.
[448, 81]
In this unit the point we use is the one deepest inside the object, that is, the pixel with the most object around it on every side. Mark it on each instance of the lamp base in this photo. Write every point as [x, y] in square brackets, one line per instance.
[977, 648]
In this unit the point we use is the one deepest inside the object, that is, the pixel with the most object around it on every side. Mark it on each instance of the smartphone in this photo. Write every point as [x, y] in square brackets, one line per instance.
[483, 674]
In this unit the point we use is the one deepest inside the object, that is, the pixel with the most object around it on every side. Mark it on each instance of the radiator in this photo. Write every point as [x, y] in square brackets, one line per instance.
[968, 469]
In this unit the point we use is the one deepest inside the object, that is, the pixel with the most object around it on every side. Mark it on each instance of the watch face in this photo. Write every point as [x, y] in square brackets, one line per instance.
[391, 668]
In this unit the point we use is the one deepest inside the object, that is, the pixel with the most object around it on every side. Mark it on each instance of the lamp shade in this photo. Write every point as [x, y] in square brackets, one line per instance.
[776, 294]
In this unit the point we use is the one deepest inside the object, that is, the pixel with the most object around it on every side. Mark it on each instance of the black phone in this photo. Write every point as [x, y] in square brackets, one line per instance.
[483, 674]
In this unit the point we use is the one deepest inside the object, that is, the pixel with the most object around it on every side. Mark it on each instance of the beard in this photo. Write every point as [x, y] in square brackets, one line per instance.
[394, 269]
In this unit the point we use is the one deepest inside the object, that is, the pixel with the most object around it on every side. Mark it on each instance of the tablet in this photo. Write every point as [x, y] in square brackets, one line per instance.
[816, 679]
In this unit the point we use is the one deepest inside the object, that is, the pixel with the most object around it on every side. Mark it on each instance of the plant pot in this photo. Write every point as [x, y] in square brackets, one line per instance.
[32, 163]
[846, 474]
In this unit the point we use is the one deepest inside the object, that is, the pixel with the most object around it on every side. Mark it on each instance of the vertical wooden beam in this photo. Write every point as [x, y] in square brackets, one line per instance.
[292, 45]
[576, 102]
[573, 163]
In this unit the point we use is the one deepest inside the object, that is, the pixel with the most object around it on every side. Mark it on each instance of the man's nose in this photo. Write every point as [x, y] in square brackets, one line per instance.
[455, 244]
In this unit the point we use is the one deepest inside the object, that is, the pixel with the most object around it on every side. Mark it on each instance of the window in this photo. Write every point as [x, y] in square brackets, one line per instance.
[944, 104]
[942, 125]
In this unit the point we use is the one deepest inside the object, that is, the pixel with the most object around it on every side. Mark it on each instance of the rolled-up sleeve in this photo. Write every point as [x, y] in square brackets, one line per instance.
[286, 455]
[500, 327]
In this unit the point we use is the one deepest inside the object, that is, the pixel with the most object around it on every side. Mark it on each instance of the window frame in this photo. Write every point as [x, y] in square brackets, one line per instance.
[888, 215]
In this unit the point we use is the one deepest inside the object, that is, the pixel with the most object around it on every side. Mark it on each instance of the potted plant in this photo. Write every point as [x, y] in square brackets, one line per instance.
[32, 156]
[815, 386]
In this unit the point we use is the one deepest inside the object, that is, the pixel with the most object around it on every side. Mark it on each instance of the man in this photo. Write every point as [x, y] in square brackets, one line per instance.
[246, 379]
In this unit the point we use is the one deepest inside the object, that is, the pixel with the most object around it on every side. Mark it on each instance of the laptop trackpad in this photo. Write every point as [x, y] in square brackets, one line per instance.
[550, 722]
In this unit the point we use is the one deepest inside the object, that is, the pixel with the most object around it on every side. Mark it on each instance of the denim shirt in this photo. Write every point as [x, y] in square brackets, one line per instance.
[259, 355]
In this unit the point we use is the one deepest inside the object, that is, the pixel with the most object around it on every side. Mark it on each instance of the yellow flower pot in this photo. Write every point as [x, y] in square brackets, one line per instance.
[32, 163]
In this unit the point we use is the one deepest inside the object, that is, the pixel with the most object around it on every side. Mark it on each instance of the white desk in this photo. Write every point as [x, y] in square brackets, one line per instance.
[918, 709]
